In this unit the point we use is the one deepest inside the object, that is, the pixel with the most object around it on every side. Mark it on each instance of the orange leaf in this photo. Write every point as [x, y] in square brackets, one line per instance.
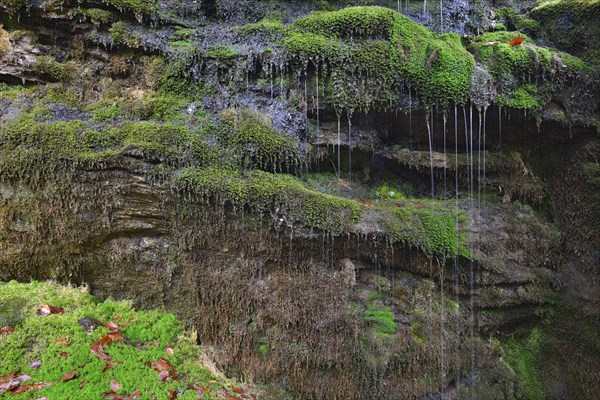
[68, 377]
[238, 390]
[517, 41]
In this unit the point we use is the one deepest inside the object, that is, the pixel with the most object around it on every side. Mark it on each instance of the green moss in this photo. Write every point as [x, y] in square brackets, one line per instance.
[266, 26]
[525, 98]
[378, 316]
[98, 16]
[433, 230]
[121, 34]
[499, 27]
[523, 356]
[221, 52]
[140, 8]
[35, 338]
[252, 135]
[281, 196]
[48, 66]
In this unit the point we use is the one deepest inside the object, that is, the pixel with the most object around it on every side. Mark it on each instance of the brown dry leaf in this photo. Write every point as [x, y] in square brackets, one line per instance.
[6, 329]
[114, 385]
[112, 326]
[8, 377]
[69, 376]
[83, 383]
[156, 344]
[238, 390]
[115, 336]
[62, 341]
[111, 396]
[172, 394]
[40, 385]
[170, 351]
[65, 354]
[163, 375]
[21, 389]
[136, 395]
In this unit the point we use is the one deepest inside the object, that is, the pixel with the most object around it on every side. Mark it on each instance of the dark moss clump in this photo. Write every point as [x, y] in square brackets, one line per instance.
[281, 196]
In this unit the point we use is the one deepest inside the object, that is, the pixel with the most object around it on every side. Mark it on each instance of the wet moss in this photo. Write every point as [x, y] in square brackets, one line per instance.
[524, 98]
[283, 197]
[48, 66]
[523, 355]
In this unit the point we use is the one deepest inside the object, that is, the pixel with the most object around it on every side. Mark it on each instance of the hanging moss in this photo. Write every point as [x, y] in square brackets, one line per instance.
[525, 98]
[281, 196]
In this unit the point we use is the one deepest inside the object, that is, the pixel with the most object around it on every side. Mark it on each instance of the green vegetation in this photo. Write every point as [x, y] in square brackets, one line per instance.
[523, 355]
[379, 316]
[62, 346]
[98, 16]
[383, 47]
[47, 65]
[525, 98]
[121, 34]
[140, 8]
[433, 230]
[265, 193]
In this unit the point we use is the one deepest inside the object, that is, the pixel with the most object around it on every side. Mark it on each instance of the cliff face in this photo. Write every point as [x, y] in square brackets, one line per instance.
[268, 175]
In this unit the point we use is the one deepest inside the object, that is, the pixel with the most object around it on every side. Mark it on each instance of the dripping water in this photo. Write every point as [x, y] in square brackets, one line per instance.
[349, 146]
[471, 264]
[339, 151]
[318, 119]
[456, 269]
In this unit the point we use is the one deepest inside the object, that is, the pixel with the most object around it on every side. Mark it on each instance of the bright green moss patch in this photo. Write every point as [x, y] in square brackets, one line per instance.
[433, 230]
[379, 316]
[370, 54]
[148, 335]
[266, 26]
[525, 98]
[273, 194]
[140, 8]
[47, 65]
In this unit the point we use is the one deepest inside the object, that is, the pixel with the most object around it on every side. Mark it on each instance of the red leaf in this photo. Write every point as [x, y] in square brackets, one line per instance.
[112, 326]
[114, 385]
[6, 329]
[21, 389]
[65, 354]
[517, 41]
[68, 377]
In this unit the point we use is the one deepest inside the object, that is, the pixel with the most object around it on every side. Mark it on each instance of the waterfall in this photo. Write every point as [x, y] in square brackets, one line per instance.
[456, 266]
[339, 148]
[349, 146]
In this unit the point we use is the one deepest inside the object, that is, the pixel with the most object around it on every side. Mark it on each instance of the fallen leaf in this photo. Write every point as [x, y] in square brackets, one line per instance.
[115, 336]
[172, 394]
[111, 396]
[35, 364]
[8, 377]
[69, 376]
[163, 375]
[23, 377]
[21, 389]
[83, 383]
[65, 354]
[40, 385]
[11, 385]
[112, 326]
[238, 390]
[170, 351]
[62, 341]
[200, 394]
[517, 41]
[6, 329]
[42, 398]
[114, 385]
[47, 309]
[156, 344]
[135, 395]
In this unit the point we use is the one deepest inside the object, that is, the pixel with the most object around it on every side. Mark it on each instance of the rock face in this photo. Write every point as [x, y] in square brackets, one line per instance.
[440, 191]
